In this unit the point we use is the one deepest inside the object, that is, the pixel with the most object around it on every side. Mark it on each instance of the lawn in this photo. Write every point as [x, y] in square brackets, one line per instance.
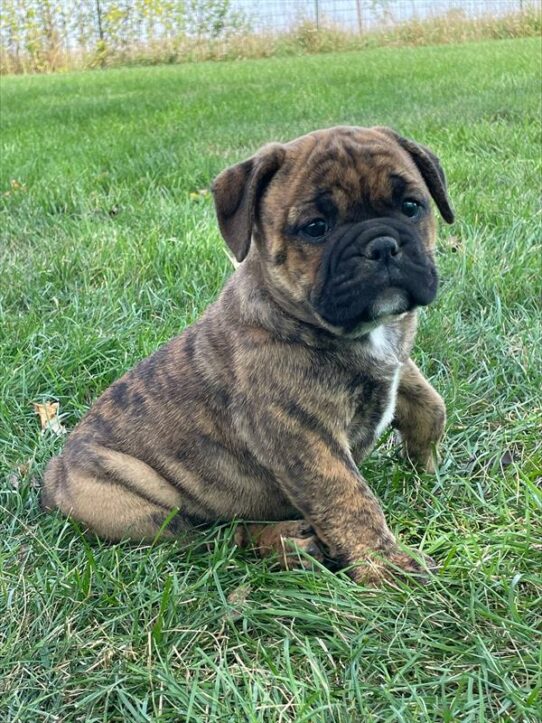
[107, 250]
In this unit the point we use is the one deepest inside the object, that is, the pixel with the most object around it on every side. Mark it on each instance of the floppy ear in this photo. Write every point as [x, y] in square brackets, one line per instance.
[432, 172]
[237, 191]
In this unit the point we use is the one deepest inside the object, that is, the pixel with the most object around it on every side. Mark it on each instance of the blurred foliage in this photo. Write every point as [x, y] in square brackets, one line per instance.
[52, 35]
[44, 35]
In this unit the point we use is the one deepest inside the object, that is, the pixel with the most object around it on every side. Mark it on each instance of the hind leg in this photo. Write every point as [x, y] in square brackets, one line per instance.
[113, 495]
[283, 539]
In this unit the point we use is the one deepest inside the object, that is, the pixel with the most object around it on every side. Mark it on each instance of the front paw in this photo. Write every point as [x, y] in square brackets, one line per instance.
[377, 568]
[425, 459]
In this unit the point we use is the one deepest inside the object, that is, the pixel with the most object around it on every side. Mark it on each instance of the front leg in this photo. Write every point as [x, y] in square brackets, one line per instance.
[347, 518]
[316, 472]
[420, 416]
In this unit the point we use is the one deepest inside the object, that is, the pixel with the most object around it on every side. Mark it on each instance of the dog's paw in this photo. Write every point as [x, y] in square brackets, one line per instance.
[414, 565]
[395, 564]
[424, 460]
[294, 543]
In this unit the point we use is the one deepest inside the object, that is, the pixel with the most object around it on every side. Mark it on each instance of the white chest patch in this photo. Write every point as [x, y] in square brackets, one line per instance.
[382, 347]
[389, 411]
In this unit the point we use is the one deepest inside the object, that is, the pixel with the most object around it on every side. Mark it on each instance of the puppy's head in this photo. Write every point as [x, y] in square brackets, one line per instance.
[341, 221]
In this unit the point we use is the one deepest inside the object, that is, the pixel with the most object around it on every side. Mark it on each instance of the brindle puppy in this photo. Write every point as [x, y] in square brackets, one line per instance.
[263, 409]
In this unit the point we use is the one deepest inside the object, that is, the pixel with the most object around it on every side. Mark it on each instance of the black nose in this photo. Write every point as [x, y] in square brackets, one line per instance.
[381, 248]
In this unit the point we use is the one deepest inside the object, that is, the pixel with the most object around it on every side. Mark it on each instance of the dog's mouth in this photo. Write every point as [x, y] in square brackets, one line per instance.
[371, 270]
[389, 302]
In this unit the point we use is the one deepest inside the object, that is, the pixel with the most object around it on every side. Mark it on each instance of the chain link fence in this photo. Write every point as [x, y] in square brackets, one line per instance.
[364, 15]
[43, 35]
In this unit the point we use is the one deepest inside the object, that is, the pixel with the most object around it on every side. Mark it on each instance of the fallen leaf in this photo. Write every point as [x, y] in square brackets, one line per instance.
[199, 194]
[237, 599]
[16, 477]
[49, 419]
[17, 185]
[239, 595]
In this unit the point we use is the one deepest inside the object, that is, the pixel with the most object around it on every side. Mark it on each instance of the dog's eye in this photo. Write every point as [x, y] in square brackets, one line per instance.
[315, 229]
[411, 208]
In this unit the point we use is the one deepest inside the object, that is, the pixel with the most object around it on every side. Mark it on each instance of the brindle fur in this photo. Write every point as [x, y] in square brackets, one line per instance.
[262, 410]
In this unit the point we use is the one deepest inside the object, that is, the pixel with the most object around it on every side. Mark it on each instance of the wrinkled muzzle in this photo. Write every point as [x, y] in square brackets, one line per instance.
[371, 269]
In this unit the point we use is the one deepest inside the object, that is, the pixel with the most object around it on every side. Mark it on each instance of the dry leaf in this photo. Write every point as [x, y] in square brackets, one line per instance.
[237, 599]
[49, 419]
[239, 595]
[19, 473]
[198, 195]
[24, 468]
[17, 185]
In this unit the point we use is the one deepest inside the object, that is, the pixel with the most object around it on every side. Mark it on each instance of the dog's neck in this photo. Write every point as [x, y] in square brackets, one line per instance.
[260, 305]
[264, 305]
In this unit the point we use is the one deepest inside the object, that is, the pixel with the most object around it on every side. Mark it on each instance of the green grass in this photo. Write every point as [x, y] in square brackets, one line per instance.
[105, 255]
